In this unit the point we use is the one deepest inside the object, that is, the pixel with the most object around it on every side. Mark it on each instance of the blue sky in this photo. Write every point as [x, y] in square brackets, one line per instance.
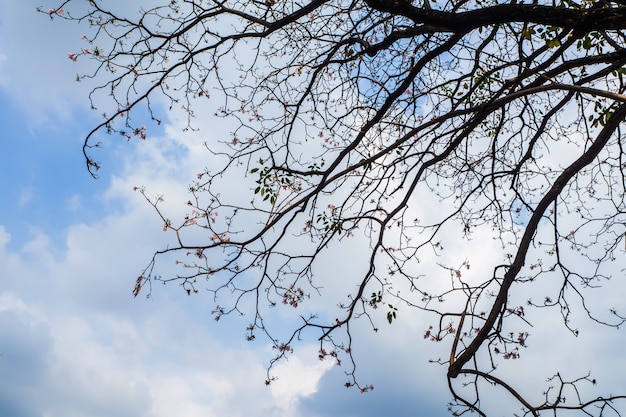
[73, 340]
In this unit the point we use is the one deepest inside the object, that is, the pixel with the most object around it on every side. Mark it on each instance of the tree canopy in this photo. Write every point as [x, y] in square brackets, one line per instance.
[407, 125]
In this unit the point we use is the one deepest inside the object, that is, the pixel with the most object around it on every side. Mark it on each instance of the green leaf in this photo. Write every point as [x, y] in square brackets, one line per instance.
[528, 33]
[553, 43]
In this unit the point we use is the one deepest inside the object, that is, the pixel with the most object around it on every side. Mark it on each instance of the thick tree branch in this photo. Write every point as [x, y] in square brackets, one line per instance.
[607, 18]
[570, 172]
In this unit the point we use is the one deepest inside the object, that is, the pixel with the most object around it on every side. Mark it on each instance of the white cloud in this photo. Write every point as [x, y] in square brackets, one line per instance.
[298, 378]
[32, 64]
[5, 238]
[131, 361]
[101, 352]
[398, 353]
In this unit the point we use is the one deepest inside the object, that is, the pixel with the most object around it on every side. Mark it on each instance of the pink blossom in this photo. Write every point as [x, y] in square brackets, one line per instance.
[72, 56]
[285, 348]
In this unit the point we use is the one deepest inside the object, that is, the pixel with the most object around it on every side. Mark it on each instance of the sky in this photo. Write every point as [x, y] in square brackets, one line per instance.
[73, 340]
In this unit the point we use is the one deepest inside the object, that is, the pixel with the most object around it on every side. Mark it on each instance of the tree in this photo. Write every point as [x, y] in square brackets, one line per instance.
[410, 124]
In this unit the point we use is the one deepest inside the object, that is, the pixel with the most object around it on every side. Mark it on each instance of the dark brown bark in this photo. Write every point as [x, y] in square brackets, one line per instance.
[606, 18]
[570, 172]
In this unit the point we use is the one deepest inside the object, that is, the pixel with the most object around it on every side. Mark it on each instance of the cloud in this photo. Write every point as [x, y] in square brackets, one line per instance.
[40, 93]
[25, 345]
[35, 69]
[110, 359]
[298, 378]
[76, 343]
[395, 358]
